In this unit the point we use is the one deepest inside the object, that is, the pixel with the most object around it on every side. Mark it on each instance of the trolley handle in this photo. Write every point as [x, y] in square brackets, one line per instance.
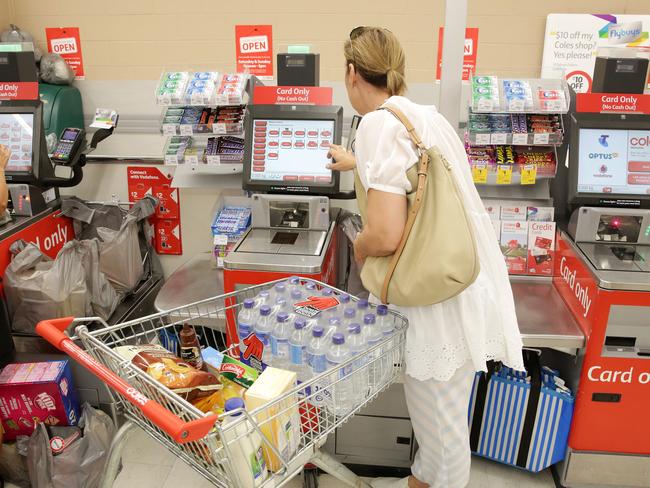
[179, 430]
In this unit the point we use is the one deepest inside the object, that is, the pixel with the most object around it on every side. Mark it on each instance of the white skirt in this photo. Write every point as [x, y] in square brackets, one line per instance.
[443, 337]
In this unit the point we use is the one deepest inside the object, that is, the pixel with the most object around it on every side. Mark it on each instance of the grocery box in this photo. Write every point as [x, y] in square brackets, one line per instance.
[540, 214]
[541, 248]
[516, 212]
[514, 245]
[31, 393]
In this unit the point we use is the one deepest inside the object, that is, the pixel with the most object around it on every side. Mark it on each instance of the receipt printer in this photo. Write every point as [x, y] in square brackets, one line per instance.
[298, 69]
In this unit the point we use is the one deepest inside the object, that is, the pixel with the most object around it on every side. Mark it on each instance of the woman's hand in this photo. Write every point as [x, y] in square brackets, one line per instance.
[5, 153]
[343, 160]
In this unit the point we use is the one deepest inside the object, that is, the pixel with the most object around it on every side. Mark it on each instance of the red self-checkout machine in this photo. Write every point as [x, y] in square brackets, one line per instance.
[294, 230]
[602, 271]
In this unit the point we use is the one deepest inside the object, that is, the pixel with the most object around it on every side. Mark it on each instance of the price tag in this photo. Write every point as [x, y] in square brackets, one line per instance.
[221, 240]
[528, 174]
[192, 159]
[498, 138]
[213, 159]
[186, 129]
[541, 138]
[504, 174]
[197, 99]
[165, 99]
[171, 159]
[482, 139]
[169, 129]
[219, 128]
[520, 139]
[480, 173]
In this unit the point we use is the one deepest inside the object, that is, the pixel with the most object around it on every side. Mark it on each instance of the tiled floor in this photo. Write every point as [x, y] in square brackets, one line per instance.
[149, 465]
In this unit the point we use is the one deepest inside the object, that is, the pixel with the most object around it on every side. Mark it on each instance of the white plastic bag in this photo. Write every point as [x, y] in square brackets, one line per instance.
[120, 258]
[39, 288]
[81, 464]
[103, 297]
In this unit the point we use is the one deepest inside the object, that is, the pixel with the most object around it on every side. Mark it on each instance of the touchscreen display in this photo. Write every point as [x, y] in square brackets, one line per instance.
[16, 132]
[292, 151]
[614, 161]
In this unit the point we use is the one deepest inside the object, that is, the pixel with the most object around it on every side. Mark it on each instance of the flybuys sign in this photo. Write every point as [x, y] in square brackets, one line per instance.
[626, 33]
[572, 42]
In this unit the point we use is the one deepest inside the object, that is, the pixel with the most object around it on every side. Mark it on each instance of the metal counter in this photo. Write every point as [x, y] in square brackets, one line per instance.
[19, 223]
[544, 319]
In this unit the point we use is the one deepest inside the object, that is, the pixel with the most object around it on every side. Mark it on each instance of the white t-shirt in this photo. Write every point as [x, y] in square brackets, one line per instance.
[480, 323]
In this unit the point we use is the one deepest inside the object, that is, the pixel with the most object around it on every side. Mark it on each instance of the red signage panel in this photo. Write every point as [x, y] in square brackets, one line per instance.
[293, 95]
[613, 103]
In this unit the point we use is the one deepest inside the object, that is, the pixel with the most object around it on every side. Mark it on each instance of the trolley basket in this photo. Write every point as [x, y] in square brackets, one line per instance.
[320, 404]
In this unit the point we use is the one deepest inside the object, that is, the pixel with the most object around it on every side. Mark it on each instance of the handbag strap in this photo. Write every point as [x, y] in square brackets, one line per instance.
[423, 166]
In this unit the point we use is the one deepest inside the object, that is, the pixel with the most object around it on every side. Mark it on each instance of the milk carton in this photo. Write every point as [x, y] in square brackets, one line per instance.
[31, 393]
[541, 248]
[514, 245]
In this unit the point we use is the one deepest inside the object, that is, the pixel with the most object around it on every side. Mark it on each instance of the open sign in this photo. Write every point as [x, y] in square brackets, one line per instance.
[254, 44]
[66, 45]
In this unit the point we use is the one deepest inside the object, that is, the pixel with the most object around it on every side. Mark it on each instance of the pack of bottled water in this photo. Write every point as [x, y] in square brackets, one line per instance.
[349, 331]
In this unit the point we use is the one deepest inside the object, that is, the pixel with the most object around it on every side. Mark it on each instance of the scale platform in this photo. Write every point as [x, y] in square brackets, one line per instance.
[617, 257]
[281, 250]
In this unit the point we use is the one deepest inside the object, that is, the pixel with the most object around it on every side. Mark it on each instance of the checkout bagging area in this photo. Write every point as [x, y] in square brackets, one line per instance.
[232, 361]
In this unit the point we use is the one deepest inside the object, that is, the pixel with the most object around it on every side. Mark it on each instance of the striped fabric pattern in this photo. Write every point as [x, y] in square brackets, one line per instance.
[438, 411]
[502, 423]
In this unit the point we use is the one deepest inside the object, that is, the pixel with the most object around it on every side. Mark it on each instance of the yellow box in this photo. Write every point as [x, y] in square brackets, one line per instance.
[280, 423]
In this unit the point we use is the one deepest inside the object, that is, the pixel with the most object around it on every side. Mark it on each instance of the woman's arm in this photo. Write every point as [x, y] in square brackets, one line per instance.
[384, 226]
[4, 191]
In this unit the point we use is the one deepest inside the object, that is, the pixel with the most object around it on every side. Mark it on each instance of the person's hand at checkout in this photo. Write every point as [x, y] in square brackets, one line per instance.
[342, 159]
[5, 153]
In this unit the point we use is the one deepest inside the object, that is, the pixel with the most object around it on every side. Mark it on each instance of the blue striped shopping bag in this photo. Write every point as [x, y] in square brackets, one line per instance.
[521, 419]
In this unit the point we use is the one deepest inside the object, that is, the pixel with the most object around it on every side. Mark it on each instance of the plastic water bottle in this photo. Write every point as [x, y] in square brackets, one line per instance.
[280, 341]
[373, 336]
[317, 354]
[333, 326]
[296, 296]
[310, 289]
[344, 299]
[349, 316]
[384, 321]
[279, 291]
[263, 329]
[294, 284]
[341, 398]
[386, 325]
[357, 346]
[263, 298]
[298, 341]
[362, 307]
[281, 305]
[245, 321]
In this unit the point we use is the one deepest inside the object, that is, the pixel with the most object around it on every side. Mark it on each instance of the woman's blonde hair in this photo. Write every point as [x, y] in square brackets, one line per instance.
[377, 56]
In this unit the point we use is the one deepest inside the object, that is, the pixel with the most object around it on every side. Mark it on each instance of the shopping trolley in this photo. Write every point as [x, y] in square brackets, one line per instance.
[200, 439]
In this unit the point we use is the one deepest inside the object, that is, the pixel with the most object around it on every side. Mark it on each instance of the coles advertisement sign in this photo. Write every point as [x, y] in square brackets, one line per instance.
[66, 42]
[571, 43]
[470, 52]
[254, 47]
[614, 161]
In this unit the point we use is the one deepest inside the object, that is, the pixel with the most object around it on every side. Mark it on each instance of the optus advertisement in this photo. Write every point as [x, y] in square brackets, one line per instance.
[614, 161]
[571, 43]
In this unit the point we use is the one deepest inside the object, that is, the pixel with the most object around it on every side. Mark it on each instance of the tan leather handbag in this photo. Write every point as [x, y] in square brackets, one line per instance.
[436, 258]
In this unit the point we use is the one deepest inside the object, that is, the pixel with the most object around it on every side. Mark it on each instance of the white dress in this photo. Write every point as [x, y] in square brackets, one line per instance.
[480, 323]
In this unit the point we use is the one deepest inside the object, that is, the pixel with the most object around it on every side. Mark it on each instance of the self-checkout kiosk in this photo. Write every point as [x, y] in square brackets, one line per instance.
[293, 229]
[602, 271]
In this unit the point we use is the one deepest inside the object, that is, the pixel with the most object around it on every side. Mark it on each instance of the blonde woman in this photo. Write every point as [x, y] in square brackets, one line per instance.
[446, 342]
